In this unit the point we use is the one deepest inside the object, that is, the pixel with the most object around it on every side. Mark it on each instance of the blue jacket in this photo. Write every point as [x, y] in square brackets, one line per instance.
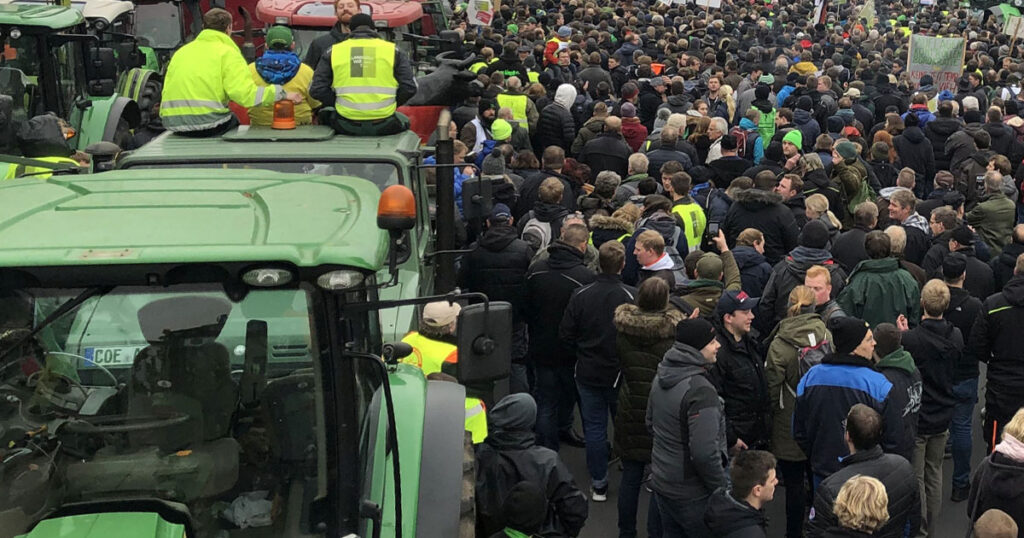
[751, 129]
[824, 397]
[780, 97]
[460, 177]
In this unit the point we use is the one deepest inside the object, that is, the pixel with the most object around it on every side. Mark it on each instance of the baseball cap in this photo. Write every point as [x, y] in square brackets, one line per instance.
[963, 235]
[732, 301]
[709, 267]
[440, 313]
[279, 36]
[852, 92]
[499, 213]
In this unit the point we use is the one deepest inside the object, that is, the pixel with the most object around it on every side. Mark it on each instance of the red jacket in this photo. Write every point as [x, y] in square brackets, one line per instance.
[551, 51]
[634, 132]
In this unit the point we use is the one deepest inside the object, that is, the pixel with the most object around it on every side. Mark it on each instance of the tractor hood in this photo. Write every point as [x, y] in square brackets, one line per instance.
[196, 215]
[108, 525]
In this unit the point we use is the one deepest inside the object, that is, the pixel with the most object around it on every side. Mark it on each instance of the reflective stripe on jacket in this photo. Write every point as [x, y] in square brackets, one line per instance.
[694, 222]
[364, 79]
[203, 77]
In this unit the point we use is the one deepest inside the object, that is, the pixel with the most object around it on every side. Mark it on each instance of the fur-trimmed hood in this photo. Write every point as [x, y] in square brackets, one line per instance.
[606, 222]
[754, 198]
[631, 320]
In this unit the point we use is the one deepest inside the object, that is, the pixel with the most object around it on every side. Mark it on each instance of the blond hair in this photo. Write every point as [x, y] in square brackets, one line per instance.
[629, 212]
[651, 240]
[935, 297]
[819, 204]
[862, 504]
[748, 237]
[816, 271]
[1015, 428]
[800, 298]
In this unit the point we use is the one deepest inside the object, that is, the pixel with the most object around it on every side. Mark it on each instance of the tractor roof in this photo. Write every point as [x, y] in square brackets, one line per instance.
[320, 13]
[190, 216]
[39, 15]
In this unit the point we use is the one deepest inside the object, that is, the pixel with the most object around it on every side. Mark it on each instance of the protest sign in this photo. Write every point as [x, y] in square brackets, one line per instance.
[940, 57]
[480, 12]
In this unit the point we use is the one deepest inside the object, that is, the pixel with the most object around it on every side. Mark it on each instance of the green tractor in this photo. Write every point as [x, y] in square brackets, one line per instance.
[204, 352]
[50, 64]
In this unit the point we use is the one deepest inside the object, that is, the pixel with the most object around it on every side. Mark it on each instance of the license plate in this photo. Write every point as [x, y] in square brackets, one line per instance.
[111, 355]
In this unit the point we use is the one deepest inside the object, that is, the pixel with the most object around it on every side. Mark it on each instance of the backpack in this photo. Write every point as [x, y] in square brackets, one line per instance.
[810, 356]
[678, 267]
[744, 142]
[536, 233]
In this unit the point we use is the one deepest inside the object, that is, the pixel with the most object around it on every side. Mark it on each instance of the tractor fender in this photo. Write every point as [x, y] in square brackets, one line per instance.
[121, 108]
[102, 119]
[441, 466]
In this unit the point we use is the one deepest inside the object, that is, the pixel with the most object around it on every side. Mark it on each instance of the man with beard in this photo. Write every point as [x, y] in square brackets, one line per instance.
[344, 10]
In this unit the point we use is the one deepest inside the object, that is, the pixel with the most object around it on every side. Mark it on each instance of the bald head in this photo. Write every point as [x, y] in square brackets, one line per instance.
[1018, 233]
[613, 124]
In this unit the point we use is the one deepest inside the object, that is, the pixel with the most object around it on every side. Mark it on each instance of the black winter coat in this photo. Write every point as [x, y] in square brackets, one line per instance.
[529, 190]
[497, 267]
[818, 182]
[964, 310]
[1002, 137]
[896, 473]
[936, 346]
[607, 151]
[727, 517]
[788, 274]
[738, 374]
[1002, 265]
[996, 484]
[647, 105]
[556, 127]
[848, 249]
[642, 338]
[995, 339]
[587, 328]
[915, 151]
[754, 270]
[937, 131]
[550, 284]
[754, 208]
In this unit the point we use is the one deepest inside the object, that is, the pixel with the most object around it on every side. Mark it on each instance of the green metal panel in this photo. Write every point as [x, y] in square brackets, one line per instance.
[175, 216]
[408, 390]
[108, 525]
[91, 122]
[53, 17]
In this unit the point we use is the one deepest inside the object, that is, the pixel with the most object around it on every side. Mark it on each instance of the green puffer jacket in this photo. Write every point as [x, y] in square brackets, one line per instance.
[994, 218]
[782, 374]
[878, 291]
[642, 339]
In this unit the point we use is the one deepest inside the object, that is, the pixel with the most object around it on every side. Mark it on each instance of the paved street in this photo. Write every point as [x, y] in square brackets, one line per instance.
[603, 519]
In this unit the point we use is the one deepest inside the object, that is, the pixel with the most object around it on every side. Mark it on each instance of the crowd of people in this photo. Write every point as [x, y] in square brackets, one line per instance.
[760, 248]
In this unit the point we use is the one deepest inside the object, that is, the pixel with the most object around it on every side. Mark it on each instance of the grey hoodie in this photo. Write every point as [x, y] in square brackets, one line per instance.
[687, 420]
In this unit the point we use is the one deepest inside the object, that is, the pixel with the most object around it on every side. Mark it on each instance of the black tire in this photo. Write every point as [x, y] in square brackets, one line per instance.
[467, 517]
[149, 96]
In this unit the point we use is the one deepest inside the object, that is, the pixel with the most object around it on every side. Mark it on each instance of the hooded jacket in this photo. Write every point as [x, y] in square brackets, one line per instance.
[549, 285]
[642, 338]
[703, 294]
[497, 267]
[606, 228]
[996, 484]
[852, 178]
[894, 472]
[687, 422]
[509, 456]
[879, 291]
[937, 346]
[763, 210]
[588, 329]
[782, 375]
[964, 309]
[727, 517]
[808, 127]
[556, 126]
[995, 340]
[738, 373]
[790, 273]
[1002, 265]
[823, 398]
[915, 151]
[993, 219]
[591, 128]
[664, 223]
[899, 368]
[937, 131]
[1002, 137]
[754, 270]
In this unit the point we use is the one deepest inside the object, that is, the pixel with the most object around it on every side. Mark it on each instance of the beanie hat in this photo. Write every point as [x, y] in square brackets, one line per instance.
[794, 137]
[963, 235]
[279, 37]
[493, 164]
[501, 129]
[814, 235]
[972, 116]
[804, 102]
[954, 266]
[766, 78]
[834, 124]
[525, 508]
[564, 31]
[361, 19]
[695, 333]
[847, 151]
[847, 333]
[709, 267]
[628, 110]
[880, 151]
[762, 91]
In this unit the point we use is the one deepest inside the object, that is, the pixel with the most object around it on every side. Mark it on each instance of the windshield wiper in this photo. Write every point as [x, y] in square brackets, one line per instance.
[64, 308]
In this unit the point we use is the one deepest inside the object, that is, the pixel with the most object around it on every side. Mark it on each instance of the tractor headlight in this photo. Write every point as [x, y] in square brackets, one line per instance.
[100, 24]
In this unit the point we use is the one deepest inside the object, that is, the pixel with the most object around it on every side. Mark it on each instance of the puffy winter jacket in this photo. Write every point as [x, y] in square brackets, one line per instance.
[915, 151]
[894, 472]
[763, 210]
[996, 484]
[879, 291]
[738, 373]
[727, 517]
[937, 131]
[642, 338]
[556, 126]
[497, 267]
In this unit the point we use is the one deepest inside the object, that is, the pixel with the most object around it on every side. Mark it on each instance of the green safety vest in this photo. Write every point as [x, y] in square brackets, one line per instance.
[364, 79]
[517, 103]
[429, 356]
[694, 222]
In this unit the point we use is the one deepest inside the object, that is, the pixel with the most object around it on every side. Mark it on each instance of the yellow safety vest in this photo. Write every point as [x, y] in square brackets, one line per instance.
[533, 76]
[39, 172]
[429, 356]
[694, 222]
[517, 103]
[364, 79]
[264, 115]
[202, 78]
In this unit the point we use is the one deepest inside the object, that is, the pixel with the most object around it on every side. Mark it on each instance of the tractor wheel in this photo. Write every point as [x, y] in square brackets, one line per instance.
[123, 134]
[149, 96]
[467, 517]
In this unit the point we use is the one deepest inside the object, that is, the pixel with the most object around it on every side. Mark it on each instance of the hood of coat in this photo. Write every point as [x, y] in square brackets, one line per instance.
[747, 125]
[594, 125]
[914, 135]
[498, 237]
[605, 222]
[802, 331]
[661, 222]
[725, 515]
[747, 257]
[755, 199]
[1004, 479]
[565, 96]
[944, 126]
[511, 422]
[658, 325]
[898, 359]
[681, 362]
[1014, 291]
[801, 117]
[546, 212]
[816, 178]
[562, 256]
[802, 258]
[678, 101]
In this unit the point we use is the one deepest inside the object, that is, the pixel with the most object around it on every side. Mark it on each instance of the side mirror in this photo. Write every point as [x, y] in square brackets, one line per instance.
[101, 72]
[485, 345]
[476, 197]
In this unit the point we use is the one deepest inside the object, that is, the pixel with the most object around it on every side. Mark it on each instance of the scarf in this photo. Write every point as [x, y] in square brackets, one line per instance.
[278, 66]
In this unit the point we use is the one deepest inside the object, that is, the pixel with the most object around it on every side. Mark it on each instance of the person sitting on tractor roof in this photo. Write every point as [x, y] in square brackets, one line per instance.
[344, 10]
[205, 75]
[280, 65]
[367, 79]
[434, 350]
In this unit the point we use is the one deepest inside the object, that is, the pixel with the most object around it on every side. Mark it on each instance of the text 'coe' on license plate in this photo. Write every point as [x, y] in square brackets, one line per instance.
[111, 355]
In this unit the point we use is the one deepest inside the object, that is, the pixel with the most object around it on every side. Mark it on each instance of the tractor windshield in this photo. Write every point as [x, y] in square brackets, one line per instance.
[159, 24]
[172, 393]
